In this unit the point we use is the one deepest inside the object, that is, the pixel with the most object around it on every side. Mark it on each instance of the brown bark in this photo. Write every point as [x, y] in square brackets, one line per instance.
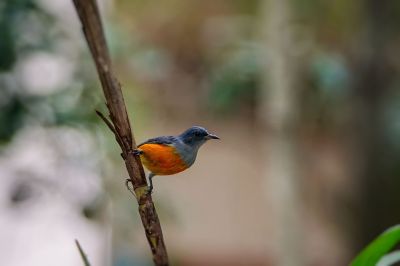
[92, 28]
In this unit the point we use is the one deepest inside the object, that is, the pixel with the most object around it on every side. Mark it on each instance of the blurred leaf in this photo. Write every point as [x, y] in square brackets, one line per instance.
[389, 259]
[331, 75]
[11, 117]
[7, 47]
[235, 82]
[378, 248]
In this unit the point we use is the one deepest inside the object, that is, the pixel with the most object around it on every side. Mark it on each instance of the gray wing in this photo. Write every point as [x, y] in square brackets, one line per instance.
[164, 140]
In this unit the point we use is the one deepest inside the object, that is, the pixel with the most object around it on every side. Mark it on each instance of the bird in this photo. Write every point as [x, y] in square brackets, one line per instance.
[168, 155]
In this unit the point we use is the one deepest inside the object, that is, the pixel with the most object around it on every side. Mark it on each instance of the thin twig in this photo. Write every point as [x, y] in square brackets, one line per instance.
[110, 126]
[108, 123]
[83, 255]
[89, 16]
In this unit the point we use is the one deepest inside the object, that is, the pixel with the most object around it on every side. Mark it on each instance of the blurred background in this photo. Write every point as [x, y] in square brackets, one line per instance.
[304, 95]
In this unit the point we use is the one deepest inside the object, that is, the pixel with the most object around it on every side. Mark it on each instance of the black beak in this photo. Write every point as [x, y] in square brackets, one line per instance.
[212, 136]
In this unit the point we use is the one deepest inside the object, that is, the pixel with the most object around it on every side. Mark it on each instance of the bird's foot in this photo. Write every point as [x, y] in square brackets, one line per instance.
[137, 152]
[149, 190]
[127, 182]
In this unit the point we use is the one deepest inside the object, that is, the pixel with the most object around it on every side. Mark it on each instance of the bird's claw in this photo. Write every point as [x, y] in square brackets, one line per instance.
[149, 190]
[127, 181]
[137, 152]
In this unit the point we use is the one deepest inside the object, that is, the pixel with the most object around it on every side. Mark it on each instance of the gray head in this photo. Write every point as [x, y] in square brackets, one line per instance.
[196, 136]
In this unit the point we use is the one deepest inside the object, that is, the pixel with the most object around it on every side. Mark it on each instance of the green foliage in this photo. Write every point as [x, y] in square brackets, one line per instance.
[15, 37]
[389, 259]
[236, 81]
[378, 248]
[11, 115]
[69, 103]
[7, 48]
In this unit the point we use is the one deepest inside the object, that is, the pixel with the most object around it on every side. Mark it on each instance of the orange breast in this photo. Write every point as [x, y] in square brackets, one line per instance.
[161, 159]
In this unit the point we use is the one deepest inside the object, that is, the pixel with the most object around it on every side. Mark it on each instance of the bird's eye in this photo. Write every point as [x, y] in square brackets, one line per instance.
[198, 134]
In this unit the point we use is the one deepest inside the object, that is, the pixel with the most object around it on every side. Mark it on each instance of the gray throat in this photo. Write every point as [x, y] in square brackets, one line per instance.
[187, 152]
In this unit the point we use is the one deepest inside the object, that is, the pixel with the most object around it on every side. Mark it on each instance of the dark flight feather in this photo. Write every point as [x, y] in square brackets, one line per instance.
[164, 140]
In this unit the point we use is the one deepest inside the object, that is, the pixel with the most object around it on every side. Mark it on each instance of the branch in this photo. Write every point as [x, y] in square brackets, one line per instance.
[111, 127]
[92, 28]
[83, 255]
